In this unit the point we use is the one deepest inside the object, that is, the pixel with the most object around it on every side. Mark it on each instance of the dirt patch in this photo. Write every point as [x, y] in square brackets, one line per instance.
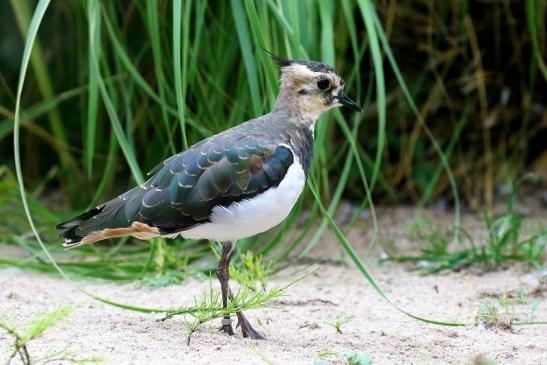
[296, 329]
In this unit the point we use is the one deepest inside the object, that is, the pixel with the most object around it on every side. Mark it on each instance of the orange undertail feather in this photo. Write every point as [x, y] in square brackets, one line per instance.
[139, 230]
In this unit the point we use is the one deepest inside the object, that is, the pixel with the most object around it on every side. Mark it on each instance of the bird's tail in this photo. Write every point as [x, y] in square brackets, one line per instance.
[72, 229]
[111, 219]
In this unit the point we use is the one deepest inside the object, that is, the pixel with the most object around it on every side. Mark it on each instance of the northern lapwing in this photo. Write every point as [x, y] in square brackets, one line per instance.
[232, 185]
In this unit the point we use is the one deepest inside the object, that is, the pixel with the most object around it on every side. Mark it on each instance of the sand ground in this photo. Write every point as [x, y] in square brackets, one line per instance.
[296, 328]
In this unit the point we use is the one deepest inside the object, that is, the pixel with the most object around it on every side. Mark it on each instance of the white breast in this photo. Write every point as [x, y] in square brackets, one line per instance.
[252, 216]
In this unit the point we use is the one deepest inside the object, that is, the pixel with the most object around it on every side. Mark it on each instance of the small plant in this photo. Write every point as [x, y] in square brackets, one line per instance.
[253, 273]
[431, 241]
[497, 313]
[339, 321]
[208, 306]
[481, 360]
[533, 308]
[33, 330]
[502, 244]
[500, 311]
[352, 358]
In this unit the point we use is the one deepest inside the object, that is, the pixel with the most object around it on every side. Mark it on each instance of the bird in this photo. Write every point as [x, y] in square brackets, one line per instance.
[235, 184]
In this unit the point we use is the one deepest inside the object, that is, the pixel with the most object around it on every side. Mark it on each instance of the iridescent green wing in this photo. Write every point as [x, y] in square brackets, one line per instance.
[220, 171]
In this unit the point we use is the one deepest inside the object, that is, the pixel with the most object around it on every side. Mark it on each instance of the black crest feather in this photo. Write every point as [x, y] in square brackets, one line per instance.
[312, 65]
[281, 62]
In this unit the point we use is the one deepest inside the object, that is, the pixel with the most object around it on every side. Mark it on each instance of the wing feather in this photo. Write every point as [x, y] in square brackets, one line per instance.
[215, 173]
[183, 190]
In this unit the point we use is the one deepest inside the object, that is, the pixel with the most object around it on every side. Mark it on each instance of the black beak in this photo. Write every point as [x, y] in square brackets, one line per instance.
[347, 102]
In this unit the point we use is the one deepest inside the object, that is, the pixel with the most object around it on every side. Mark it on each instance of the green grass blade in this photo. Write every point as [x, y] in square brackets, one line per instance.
[531, 17]
[37, 17]
[154, 31]
[115, 122]
[27, 115]
[363, 269]
[94, 18]
[247, 52]
[177, 64]
[131, 69]
[128, 306]
[437, 147]
[428, 191]
[332, 206]
[21, 11]
[373, 33]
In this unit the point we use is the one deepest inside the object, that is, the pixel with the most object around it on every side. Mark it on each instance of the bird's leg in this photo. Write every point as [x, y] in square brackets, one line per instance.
[223, 276]
[246, 328]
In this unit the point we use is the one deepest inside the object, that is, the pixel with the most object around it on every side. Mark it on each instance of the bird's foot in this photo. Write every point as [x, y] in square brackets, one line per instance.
[247, 329]
[227, 326]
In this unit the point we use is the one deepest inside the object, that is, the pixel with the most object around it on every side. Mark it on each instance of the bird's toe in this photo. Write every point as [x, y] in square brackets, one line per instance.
[247, 330]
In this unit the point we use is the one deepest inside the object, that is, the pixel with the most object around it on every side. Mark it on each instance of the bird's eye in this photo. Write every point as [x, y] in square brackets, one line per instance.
[323, 84]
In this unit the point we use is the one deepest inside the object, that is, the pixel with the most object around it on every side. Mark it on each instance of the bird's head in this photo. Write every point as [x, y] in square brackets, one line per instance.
[311, 88]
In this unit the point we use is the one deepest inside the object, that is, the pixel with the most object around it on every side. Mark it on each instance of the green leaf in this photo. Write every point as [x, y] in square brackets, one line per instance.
[41, 323]
[247, 52]
[94, 18]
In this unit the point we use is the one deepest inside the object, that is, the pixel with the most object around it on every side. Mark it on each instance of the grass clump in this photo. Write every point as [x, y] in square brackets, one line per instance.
[33, 330]
[504, 243]
[338, 321]
[208, 306]
[124, 79]
[253, 273]
[498, 313]
[430, 242]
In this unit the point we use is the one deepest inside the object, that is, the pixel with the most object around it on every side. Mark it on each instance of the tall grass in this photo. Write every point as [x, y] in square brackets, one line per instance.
[115, 87]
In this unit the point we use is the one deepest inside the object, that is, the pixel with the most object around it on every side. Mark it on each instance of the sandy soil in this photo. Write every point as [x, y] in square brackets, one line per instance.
[296, 328]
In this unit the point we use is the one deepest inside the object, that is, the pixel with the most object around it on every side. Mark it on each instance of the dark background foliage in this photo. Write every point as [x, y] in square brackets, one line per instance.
[471, 67]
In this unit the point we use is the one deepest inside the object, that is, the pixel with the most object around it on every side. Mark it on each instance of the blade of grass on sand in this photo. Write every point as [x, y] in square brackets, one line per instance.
[332, 205]
[37, 17]
[363, 269]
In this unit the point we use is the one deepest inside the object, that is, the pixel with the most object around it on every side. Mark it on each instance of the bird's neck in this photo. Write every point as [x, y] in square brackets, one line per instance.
[290, 103]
